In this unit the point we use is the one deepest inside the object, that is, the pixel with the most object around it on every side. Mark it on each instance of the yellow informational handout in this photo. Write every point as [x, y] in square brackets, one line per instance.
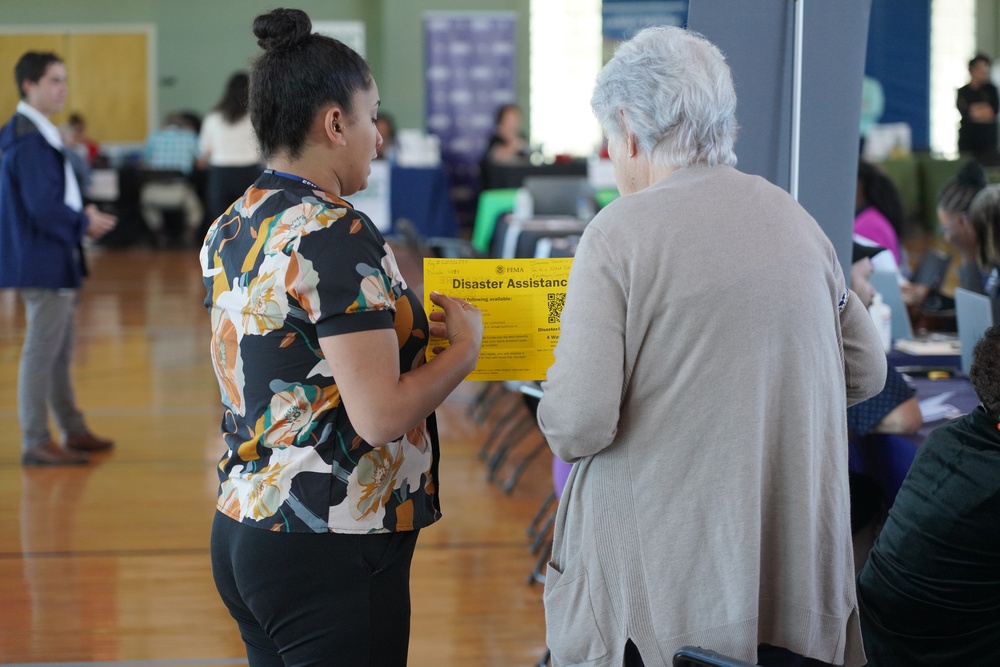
[521, 300]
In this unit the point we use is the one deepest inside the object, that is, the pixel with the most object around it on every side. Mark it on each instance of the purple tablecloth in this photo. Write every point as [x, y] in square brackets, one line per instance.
[887, 458]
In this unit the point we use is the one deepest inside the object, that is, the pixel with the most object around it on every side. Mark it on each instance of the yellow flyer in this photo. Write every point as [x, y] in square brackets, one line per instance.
[521, 301]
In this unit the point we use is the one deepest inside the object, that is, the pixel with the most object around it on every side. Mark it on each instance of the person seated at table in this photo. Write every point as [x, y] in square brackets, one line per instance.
[953, 204]
[930, 591]
[170, 156]
[984, 219]
[895, 409]
[506, 145]
[81, 151]
[386, 126]
[77, 141]
[879, 217]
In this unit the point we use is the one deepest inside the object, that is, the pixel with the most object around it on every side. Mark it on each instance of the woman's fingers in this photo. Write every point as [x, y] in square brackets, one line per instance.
[460, 319]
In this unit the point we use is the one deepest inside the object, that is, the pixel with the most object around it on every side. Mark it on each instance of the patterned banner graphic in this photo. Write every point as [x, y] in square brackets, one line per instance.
[470, 72]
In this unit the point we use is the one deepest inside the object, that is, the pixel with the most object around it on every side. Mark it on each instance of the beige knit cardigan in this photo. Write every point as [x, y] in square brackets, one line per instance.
[705, 363]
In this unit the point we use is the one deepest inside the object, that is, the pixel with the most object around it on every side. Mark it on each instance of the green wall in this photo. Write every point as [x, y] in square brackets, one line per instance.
[201, 42]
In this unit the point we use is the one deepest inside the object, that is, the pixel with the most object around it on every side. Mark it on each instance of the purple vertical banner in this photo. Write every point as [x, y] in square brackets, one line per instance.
[470, 71]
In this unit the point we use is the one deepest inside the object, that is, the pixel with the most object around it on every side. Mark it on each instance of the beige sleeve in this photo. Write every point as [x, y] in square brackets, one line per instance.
[864, 359]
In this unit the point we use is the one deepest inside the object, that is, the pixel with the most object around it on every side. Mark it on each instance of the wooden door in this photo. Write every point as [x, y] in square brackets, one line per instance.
[108, 74]
[11, 49]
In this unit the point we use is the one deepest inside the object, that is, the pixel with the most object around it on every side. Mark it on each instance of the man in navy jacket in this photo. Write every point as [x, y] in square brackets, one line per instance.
[42, 224]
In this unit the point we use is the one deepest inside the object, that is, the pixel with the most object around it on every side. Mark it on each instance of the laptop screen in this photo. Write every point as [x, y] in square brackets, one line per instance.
[932, 268]
[974, 314]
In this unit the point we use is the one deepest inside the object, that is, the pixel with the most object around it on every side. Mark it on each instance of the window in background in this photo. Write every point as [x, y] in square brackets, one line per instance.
[565, 60]
[953, 43]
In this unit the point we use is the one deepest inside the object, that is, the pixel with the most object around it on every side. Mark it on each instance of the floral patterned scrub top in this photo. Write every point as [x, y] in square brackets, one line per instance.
[284, 267]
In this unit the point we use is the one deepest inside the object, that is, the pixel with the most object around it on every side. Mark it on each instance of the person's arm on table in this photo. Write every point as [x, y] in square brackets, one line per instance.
[905, 419]
[895, 409]
[383, 403]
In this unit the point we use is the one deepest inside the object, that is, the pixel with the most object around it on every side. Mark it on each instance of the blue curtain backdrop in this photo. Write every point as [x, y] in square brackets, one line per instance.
[898, 50]
[899, 56]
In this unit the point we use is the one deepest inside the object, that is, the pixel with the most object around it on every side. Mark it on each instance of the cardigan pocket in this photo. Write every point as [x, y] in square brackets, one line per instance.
[572, 632]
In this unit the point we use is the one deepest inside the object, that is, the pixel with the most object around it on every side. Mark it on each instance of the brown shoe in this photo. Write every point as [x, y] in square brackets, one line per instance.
[87, 442]
[51, 454]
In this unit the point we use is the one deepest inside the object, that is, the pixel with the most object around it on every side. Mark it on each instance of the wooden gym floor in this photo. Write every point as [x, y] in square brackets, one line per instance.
[108, 564]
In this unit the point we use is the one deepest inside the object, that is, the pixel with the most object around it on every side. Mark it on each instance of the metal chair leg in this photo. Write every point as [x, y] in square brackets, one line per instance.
[538, 571]
[543, 510]
[498, 428]
[485, 400]
[543, 534]
[510, 441]
[522, 465]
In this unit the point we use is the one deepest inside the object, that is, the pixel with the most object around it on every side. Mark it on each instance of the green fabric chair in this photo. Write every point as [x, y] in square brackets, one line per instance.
[492, 204]
[605, 196]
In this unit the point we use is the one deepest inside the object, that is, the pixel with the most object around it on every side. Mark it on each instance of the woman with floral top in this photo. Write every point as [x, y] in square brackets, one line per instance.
[318, 344]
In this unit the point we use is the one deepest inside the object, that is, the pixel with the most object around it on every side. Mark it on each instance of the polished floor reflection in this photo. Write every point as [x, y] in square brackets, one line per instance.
[108, 563]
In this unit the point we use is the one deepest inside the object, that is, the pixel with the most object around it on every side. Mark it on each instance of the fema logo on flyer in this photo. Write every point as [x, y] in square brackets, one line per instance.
[499, 269]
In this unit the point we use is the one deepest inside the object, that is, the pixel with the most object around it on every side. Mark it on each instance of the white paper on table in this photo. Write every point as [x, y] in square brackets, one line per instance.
[934, 408]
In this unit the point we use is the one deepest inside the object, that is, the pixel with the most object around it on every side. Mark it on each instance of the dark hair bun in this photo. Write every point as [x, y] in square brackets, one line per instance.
[282, 29]
[972, 174]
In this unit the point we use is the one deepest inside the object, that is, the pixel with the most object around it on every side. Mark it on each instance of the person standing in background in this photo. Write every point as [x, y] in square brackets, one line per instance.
[978, 103]
[229, 147]
[42, 225]
[81, 150]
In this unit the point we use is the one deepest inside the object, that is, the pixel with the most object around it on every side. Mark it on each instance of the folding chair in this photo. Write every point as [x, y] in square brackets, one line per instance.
[695, 656]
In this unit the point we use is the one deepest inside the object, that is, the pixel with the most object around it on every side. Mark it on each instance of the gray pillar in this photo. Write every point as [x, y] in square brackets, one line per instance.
[757, 39]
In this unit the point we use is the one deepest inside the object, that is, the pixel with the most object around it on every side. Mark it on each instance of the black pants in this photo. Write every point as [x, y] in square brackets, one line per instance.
[303, 599]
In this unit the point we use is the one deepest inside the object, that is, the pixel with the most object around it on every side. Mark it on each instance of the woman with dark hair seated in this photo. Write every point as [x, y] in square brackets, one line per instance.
[879, 218]
[953, 204]
[331, 461]
[506, 145]
[984, 217]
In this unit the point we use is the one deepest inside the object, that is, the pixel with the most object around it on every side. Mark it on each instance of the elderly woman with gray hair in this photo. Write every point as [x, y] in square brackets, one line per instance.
[701, 398]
